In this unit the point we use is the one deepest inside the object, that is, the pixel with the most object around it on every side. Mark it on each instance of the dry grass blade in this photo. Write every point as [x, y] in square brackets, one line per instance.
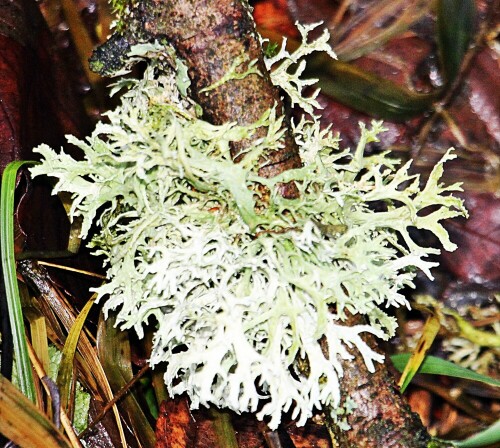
[364, 32]
[92, 373]
[38, 343]
[58, 311]
[23, 423]
[118, 396]
[114, 352]
[70, 269]
[431, 329]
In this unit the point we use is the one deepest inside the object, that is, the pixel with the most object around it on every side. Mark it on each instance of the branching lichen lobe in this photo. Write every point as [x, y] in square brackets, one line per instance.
[381, 417]
[208, 35]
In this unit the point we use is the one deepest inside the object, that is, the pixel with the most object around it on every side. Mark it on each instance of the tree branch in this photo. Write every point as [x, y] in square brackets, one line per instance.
[209, 35]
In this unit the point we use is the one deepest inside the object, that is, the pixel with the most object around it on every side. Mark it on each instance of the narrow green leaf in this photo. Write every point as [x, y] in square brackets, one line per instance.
[369, 93]
[489, 436]
[23, 423]
[433, 365]
[21, 355]
[431, 329]
[65, 372]
[455, 21]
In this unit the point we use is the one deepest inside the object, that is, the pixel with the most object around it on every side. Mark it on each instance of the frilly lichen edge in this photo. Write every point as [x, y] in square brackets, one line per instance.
[242, 285]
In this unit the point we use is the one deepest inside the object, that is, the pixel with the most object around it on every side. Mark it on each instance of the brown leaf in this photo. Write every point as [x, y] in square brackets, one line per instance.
[175, 427]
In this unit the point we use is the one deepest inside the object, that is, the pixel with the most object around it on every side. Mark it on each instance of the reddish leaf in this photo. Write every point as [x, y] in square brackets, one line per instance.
[484, 100]
[175, 427]
[273, 15]
[38, 104]
[37, 101]
[477, 259]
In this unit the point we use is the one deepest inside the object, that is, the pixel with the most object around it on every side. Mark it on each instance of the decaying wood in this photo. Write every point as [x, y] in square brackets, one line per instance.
[209, 35]
[175, 427]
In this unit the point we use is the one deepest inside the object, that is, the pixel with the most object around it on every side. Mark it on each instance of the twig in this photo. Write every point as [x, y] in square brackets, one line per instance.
[69, 268]
[116, 398]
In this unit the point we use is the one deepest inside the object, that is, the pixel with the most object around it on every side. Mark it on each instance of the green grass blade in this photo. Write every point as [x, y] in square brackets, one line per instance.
[367, 92]
[455, 21]
[21, 355]
[65, 372]
[489, 436]
[436, 366]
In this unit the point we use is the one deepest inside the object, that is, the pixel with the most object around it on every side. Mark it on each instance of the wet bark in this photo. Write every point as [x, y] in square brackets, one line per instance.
[209, 35]
[382, 417]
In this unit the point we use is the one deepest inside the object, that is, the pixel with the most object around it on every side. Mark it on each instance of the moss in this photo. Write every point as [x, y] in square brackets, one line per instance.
[110, 57]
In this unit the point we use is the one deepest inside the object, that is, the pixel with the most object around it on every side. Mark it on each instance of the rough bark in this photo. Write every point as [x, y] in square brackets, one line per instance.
[209, 35]
[382, 417]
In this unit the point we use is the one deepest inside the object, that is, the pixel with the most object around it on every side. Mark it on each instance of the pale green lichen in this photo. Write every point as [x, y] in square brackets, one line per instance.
[339, 415]
[291, 81]
[235, 72]
[121, 9]
[241, 287]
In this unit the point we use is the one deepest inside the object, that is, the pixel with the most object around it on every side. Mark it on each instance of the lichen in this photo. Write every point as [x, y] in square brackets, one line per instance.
[241, 286]
[339, 415]
[235, 72]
